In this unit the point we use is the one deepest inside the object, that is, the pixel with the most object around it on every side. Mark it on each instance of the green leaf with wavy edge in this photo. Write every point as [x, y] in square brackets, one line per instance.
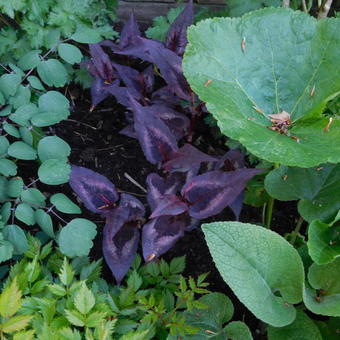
[22, 150]
[303, 328]
[54, 172]
[64, 204]
[6, 250]
[7, 167]
[52, 72]
[17, 237]
[258, 264]
[269, 60]
[53, 147]
[10, 299]
[24, 213]
[238, 330]
[238, 8]
[70, 53]
[318, 189]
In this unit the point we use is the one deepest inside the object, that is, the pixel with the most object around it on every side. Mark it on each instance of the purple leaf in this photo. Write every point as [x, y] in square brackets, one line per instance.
[160, 234]
[169, 205]
[133, 205]
[165, 95]
[233, 159]
[154, 136]
[185, 157]
[102, 63]
[129, 32]
[120, 243]
[176, 39]
[237, 205]
[148, 79]
[211, 192]
[129, 131]
[96, 192]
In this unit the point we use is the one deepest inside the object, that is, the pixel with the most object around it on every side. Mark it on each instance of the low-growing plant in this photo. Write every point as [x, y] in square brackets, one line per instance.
[54, 297]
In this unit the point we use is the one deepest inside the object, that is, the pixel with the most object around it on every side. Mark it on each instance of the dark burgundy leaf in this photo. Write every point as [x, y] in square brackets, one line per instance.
[154, 136]
[96, 192]
[176, 39]
[185, 157]
[102, 63]
[169, 205]
[160, 234]
[211, 192]
[120, 243]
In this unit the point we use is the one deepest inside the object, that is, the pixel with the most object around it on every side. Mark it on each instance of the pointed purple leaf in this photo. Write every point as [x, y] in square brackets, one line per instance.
[160, 234]
[134, 206]
[148, 79]
[237, 205]
[129, 131]
[185, 157]
[120, 245]
[129, 32]
[170, 205]
[233, 159]
[165, 95]
[96, 192]
[211, 192]
[154, 136]
[102, 63]
[176, 39]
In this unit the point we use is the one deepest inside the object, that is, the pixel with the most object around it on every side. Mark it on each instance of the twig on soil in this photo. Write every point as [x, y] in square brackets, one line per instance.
[127, 176]
[78, 122]
[131, 193]
[324, 9]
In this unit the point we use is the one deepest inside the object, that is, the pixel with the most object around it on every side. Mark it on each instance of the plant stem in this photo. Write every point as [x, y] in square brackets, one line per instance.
[286, 3]
[296, 230]
[269, 212]
[304, 6]
[324, 9]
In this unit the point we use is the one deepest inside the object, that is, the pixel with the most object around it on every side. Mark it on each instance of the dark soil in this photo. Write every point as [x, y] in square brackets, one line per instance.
[96, 143]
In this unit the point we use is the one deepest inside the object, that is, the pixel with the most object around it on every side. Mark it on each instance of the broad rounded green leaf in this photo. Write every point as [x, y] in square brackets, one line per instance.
[49, 118]
[258, 264]
[36, 83]
[22, 150]
[15, 187]
[53, 147]
[9, 84]
[238, 8]
[29, 60]
[5, 212]
[11, 130]
[75, 239]
[6, 111]
[23, 114]
[323, 242]
[303, 328]
[4, 144]
[238, 330]
[86, 35]
[52, 72]
[269, 61]
[26, 135]
[17, 237]
[33, 196]
[45, 222]
[324, 298]
[6, 250]
[24, 213]
[53, 101]
[70, 53]
[64, 204]
[7, 167]
[318, 189]
[54, 172]
[22, 97]
[3, 188]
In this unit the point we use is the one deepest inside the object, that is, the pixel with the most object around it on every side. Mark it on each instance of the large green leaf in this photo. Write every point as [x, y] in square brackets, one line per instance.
[318, 189]
[258, 264]
[269, 60]
[303, 328]
[52, 72]
[238, 8]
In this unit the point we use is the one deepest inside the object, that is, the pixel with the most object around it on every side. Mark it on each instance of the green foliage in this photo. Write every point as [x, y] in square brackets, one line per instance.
[54, 297]
[238, 8]
[248, 81]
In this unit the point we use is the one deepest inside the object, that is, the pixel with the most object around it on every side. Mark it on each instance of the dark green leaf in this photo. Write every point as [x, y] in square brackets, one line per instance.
[17, 237]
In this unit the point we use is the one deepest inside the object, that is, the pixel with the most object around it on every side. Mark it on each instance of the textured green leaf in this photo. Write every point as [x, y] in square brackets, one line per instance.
[257, 264]
[86, 35]
[22, 150]
[9, 84]
[45, 222]
[318, 189]
[6, 111]
[10, 299]
[52, 72]
[6, 250]
[7, 167]
[70, 53]
[23, 114]
[238, 330]
[323, 242]
[17, 237]
[95, 319]
[16, 323]
[303, 328]
[24, 213]
[75, 318]
[22, 97]
[24, 335]
[75, 239]
[54, 172]
[29, 60]
[238, 8]
[84, 299]
[53, 147]
[33, 196]
[66, 273]
[270, 60]
[57, 290]
[35, 83]
[11, 130]
[64, 204]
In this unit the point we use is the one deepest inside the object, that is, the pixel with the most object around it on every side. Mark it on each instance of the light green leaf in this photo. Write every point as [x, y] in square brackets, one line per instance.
[23, 114]
[64, 204]
[6, 250]
[75, 318]
[52, 72]
[33, 196]
[16, 323]
[7, 167]
[238, 330]
[66, 274]
[86, 35]
[29, 60]
[53, 147]
[53, 101]
[303, 328]
[317, 189]
[9, 84]
[24, 213]
[84, 299]
[42, 119]
[70, 53]
[17, 237]
[10, 299]
[251, 65]
[57, 290]
[95, 319]
[54, 172]
[69, 334]
[258, 264]
[238, 8]
[22, 150]
[45, 222]
[75, 239]
[35, 83]
[24, 335]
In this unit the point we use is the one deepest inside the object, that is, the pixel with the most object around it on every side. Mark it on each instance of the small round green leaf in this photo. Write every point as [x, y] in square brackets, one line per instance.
[53, 101]
[17, 237]
[5, 212]
[6, 111]
[54, 172]
[9, 84]
[23, 114]
[7, 167]
[75, 239]
[49, 118]
[52, 72]
[36, 83]
[258, 264]
[15, 187]
[22, 97]
[64, 204]
[29, 60]
[26, 135]
[70, 53]
[45, 222]
[86, 35]
[53, 147]
[24, 213]
[6, 250]
[238, 330]
[11, 130]
[22, 150]
[33, 196]
[4, 144]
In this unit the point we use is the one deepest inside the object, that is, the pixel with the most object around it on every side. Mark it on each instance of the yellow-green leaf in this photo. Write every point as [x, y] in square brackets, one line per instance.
[25, 335]
[15, 324]
[10, 300]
